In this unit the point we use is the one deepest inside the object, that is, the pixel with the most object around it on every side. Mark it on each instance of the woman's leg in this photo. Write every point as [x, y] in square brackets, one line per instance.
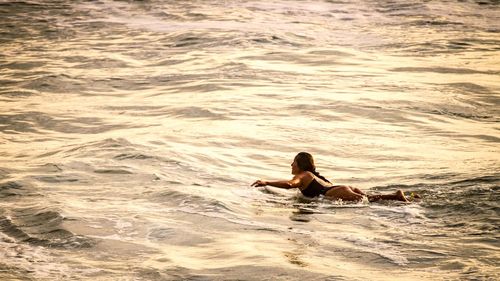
[357, 190]
[398, 196]
[343, 192]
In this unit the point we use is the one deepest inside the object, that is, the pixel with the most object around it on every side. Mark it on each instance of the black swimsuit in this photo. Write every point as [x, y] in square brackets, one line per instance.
[315, 189]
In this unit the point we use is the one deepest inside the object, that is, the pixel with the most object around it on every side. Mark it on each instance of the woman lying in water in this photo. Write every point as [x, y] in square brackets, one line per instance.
[312, 184]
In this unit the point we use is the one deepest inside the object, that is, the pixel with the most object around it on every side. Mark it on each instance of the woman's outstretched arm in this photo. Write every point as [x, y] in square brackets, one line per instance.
[293, 183]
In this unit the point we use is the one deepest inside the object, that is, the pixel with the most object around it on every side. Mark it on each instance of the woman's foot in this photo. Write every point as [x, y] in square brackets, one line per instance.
[400, 196]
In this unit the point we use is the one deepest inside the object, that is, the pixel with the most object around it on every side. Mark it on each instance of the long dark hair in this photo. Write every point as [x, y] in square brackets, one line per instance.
[305, 162]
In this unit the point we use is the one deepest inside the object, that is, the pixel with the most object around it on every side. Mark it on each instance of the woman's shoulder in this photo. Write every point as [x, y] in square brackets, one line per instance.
[305, 179]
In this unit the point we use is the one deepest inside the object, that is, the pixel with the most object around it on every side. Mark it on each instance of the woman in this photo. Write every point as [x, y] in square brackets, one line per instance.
[312, 184]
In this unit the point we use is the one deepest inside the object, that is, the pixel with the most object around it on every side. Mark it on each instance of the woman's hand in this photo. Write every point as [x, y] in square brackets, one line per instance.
[259, 183]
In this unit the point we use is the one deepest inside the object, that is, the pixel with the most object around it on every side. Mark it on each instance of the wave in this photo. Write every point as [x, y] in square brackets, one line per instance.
[40, 227]
[447, 70]
[38, 122]
[470, 204]
[15, 189]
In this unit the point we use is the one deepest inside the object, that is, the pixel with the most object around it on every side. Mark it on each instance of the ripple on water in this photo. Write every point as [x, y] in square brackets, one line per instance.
[238, 272]
[178, 237]
[446, 70]
[41, 227]
[36, 122]
[16, 188]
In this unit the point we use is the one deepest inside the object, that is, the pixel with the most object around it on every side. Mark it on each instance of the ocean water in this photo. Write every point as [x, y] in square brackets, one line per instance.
[130, 132]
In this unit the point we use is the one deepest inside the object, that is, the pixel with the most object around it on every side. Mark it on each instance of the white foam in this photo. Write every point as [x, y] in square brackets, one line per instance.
[121, 225]
[33, 259]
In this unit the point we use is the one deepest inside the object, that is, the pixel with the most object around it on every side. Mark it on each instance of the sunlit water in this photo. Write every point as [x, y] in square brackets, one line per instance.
[130, 132]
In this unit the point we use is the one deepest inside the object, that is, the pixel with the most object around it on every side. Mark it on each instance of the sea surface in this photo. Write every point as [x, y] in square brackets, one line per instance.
[130, 132]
